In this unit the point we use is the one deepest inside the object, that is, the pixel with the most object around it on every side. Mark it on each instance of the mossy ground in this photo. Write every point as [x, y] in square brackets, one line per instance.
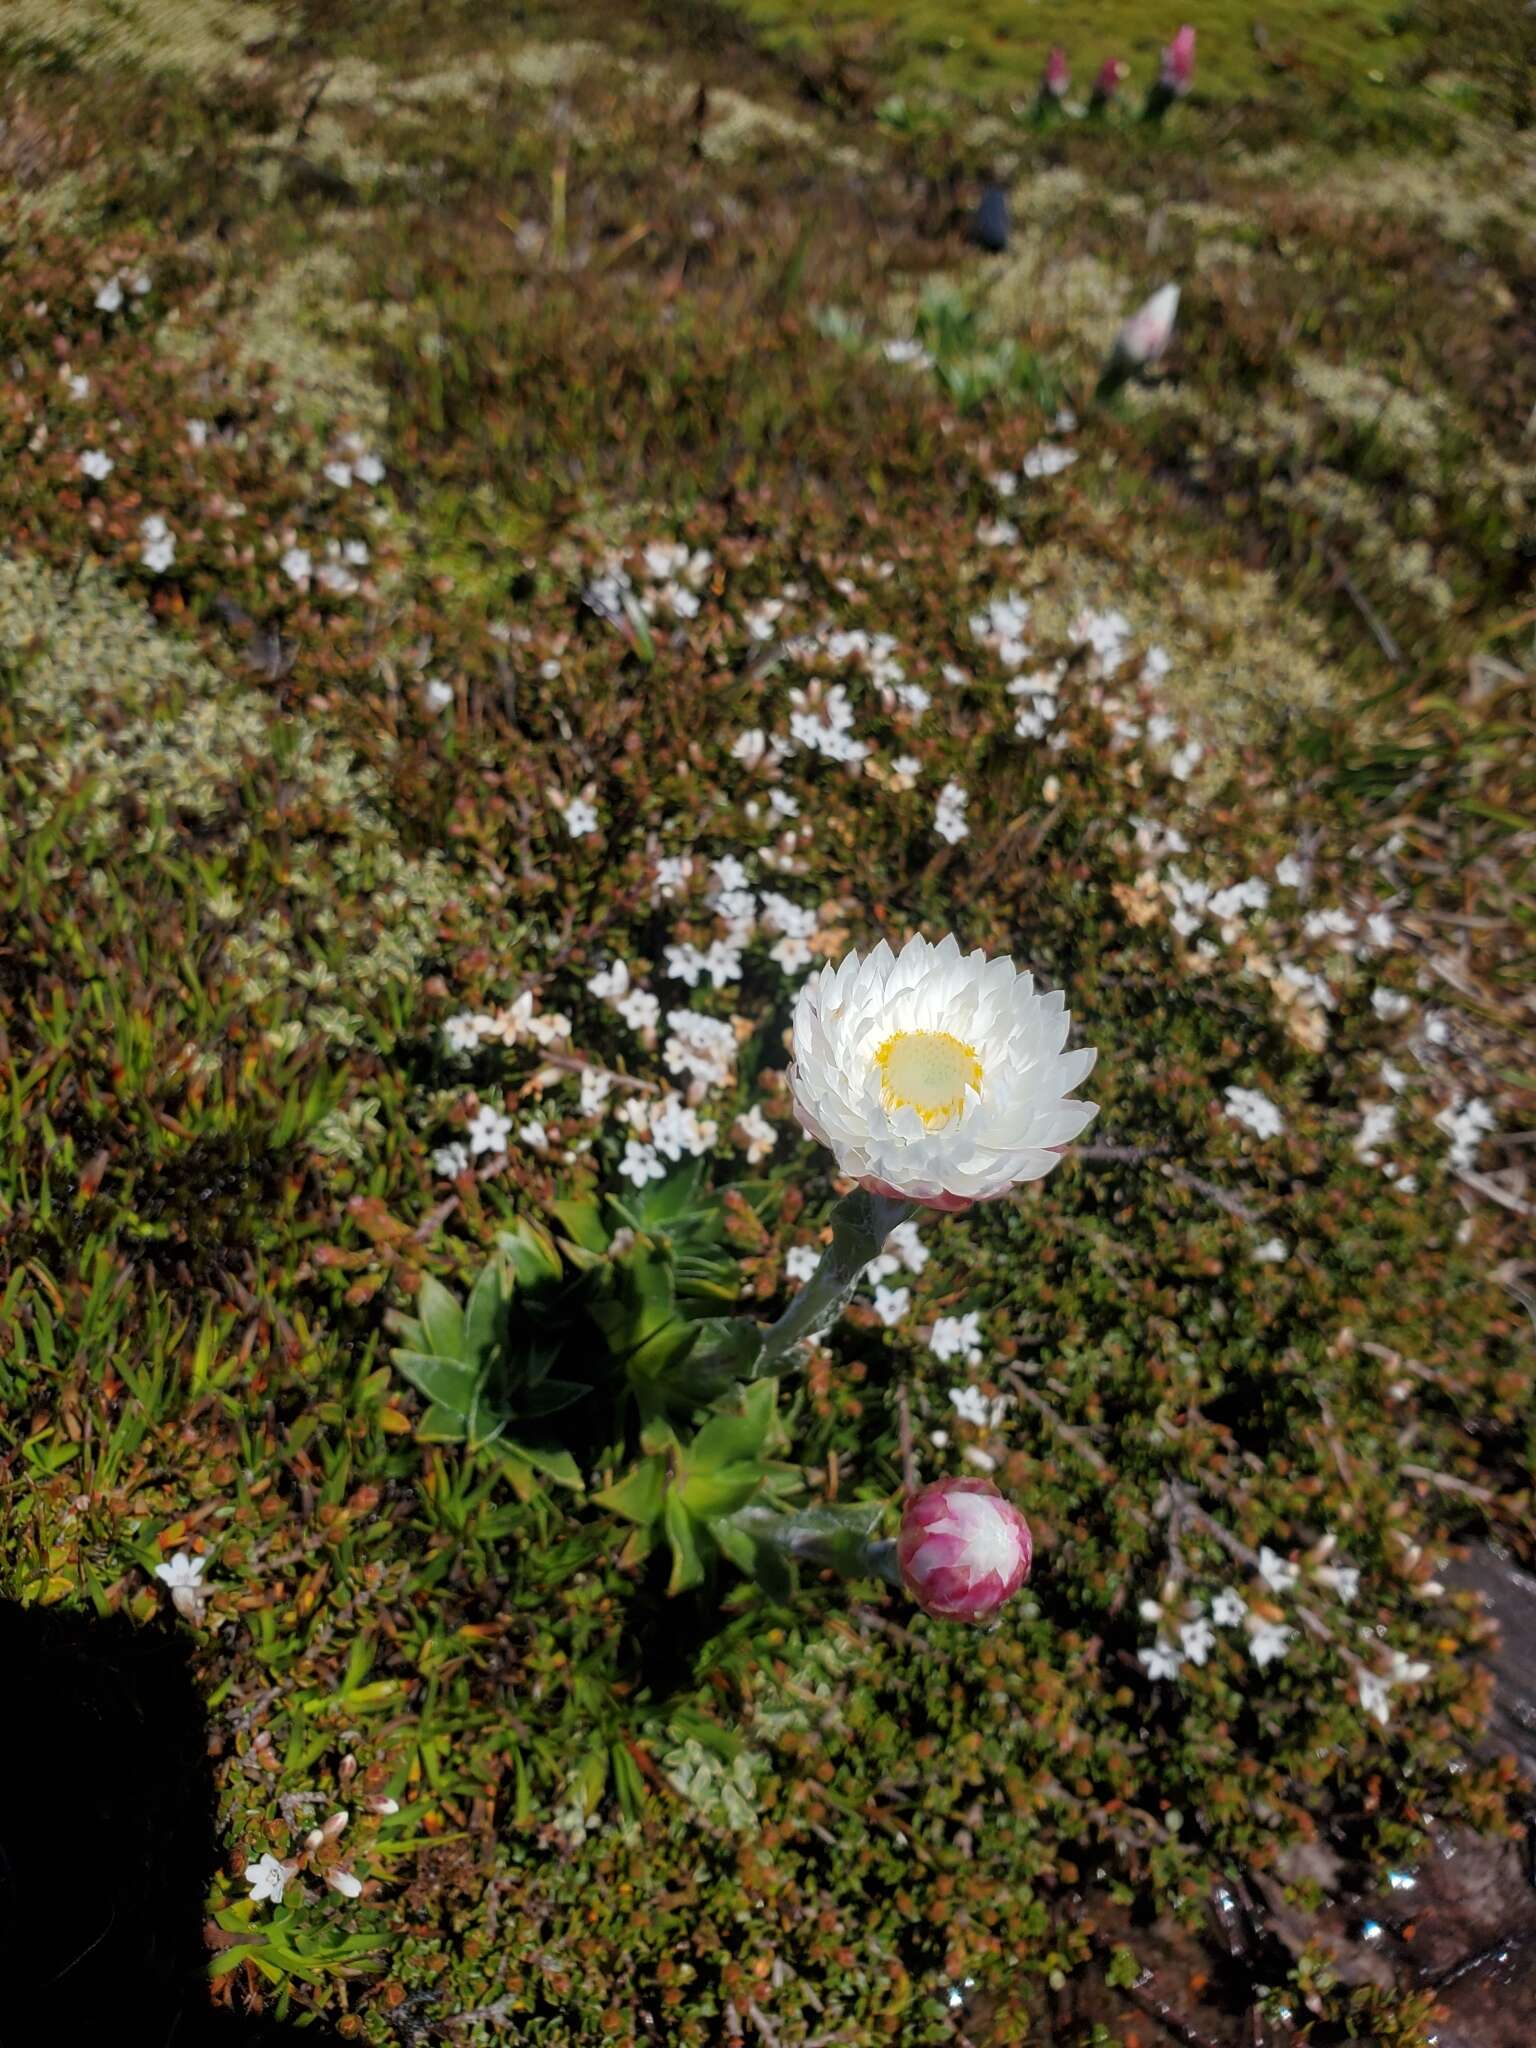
[251, 860]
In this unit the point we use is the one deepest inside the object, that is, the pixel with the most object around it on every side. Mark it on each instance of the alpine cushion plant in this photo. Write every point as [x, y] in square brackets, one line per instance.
[936, 1078]
[963, 1549]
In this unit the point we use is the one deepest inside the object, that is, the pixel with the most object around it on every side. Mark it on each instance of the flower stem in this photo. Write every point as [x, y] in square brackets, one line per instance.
[861, 1223]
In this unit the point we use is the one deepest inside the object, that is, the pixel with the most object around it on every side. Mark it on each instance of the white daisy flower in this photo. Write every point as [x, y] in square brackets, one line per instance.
[936, 1077]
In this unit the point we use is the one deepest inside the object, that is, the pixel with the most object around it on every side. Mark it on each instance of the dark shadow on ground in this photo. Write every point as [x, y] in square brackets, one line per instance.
[107, 1841]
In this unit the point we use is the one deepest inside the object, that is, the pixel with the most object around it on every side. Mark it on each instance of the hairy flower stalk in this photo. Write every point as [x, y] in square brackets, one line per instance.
[861, 1222]
[1175, 76]
[963, 1550]
[1112, 74]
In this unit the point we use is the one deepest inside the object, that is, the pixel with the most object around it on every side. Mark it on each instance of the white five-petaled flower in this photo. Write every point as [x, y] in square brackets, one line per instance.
[267, 1879]
[1162, 1660]
[759, 1136]
[801, 1261]
[488, 1131]
[1267, 1639]
[1229, 1609]
[1277, 1571]
[936, 1077]
[96, 465]
[182, 1576]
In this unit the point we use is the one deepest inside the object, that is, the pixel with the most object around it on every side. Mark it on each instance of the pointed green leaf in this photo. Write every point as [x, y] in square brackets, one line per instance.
[582, 1223]
[484, 1313]
[683, 1538]
[535, 1261]
[441, 1379]
[639, 1494]
[722, 1489]
[441, 1318]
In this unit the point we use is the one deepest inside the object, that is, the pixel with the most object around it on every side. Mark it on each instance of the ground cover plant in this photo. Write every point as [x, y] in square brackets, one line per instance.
[522, 548]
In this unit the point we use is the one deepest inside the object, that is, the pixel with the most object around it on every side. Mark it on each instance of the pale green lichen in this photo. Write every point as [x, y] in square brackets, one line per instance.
[192, 36]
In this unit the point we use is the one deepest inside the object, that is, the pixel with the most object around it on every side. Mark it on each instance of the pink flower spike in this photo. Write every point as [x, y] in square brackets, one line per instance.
[1058, 75]
[1113, 73]
[1178, 72]
[963, 1549]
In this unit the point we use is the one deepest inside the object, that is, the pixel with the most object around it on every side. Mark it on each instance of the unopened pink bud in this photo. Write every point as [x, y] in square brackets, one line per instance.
[1058, 74]
[963, 1549]
[1112, 74]
[1178, 70]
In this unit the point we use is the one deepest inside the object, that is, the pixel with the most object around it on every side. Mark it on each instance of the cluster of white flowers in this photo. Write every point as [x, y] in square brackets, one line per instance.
[519, 1020]
[821, 721]
[157, 544]
[353, 463]
[1253, 1109]
[957, 1337]
[1466, 1124]
[949, 814]
[637, 1006]
[984, 1410]
[1048, 459]
[110, 294]
[700, 1046]
[674, 578]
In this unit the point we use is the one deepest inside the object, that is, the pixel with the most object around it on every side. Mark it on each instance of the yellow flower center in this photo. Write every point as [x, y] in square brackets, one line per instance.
[928, 1071]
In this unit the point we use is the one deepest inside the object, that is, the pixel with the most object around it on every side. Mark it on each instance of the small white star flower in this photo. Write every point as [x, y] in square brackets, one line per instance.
[438, 694]
[1229, 1609]
[1276, 1571]
[1375, 1695]
[182, 1577]
[109, 296]
[580, 817]
[759, 1136]
[96, 465]
[892, 1304]
[267, 1879]
[1197, 1639]
[641, 1163]
[1162, 1660]
[296, 564]
[1342, 1579]
[801, 1261]
[449, 1161]
[489, 1130]
[1267, 1639]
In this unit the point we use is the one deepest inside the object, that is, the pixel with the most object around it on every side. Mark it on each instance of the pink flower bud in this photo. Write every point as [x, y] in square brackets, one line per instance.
[1058, 75]
[1178, 70]
[963, 1549]
[1112, 74]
